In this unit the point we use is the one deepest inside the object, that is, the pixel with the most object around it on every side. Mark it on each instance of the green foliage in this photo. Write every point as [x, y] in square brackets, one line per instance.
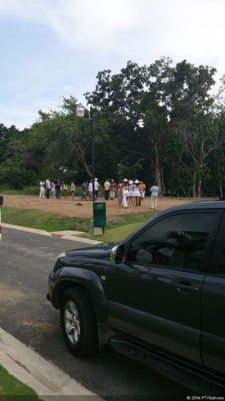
[124, 169]
[14, 174]
[27, 190]
[43, 220]
[117, 227]
[11, 388]
[181, 143]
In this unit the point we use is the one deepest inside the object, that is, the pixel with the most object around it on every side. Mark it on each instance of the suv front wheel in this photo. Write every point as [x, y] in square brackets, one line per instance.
[78, 322]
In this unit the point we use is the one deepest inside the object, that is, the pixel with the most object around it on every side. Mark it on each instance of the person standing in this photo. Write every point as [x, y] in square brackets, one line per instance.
[52, 192]
[154, 190]
[137, 193]
[112, 192]
[42, 189]
[72, 189]
[90, 190]
[57, 189]
[65, 190]
[119, 193]
[142, 188]
[107, 189]
[96, 188]
[131, 194]
[125, 191]
[48, 187]
[84, 190]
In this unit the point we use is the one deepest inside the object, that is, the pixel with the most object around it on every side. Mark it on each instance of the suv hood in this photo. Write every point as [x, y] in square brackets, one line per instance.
[101, 251]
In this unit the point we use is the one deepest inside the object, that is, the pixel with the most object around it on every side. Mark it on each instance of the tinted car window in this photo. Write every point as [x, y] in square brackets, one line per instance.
[177, 241]
[221, 265]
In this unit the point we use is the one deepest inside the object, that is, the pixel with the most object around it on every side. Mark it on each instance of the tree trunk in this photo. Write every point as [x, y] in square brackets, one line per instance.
[162, 187]
[199, 190]
[221, 189]
[80, 153]
[157, 166]
[194, 184]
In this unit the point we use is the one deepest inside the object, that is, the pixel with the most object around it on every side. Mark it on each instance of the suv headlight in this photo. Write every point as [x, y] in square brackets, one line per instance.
[61, 255]
[58, 261]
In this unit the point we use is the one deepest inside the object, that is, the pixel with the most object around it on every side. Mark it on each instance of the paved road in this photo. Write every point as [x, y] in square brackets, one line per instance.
[26, 261]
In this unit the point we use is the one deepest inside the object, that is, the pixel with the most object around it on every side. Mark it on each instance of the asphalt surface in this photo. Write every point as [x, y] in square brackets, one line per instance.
[26, 261]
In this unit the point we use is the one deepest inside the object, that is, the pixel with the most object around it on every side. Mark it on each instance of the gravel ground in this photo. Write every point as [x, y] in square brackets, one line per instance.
[75, 207]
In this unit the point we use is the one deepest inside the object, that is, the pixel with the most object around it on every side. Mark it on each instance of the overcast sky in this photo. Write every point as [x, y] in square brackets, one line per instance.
[52, 49]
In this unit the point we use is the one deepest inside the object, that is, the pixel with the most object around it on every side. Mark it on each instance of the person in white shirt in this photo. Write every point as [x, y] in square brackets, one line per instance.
[72, 189]
[90, 190]
[48, 187]
[154, 195]
[112, 190]
[96, 188]
[42, 189]
[125, 191]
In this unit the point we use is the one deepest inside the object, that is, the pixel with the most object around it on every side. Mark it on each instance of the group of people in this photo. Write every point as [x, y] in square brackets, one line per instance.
[56, 189]
[129, 193]
[87, 190]
[111, 190]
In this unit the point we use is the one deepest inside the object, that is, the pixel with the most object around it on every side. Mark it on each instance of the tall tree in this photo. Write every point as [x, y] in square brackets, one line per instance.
[192, 117]
[118, 97]
[154, 106]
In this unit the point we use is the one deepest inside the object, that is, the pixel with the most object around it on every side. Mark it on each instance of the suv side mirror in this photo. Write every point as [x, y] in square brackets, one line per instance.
[117, 254]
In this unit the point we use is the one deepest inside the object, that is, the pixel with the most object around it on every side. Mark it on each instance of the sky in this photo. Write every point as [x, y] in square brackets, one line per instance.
[52, 49]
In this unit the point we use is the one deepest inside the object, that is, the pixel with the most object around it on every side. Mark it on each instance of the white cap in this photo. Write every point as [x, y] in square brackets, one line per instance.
[130, 182]
[136, 182]
[125, 179]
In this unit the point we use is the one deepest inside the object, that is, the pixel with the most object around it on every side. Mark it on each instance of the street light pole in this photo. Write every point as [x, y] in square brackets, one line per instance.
[80, 113]
[92, 155]
[99, 210]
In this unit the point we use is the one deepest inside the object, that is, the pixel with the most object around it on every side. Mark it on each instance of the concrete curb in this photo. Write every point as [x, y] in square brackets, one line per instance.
[75, 236]
[33, 370]
[27, 229]
[69, 235]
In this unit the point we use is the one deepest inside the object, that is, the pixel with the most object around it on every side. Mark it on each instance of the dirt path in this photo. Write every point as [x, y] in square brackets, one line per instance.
[77, 208]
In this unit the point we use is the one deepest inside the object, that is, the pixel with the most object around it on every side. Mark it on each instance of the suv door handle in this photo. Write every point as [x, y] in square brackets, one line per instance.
[185, 286]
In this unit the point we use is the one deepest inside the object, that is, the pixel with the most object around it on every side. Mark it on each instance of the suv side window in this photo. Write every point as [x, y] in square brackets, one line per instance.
[177, 241]
[221, 264]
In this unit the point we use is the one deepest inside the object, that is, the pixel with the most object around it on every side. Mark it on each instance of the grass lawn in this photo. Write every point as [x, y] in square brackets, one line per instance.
[11, 387]
[121, 226]
[43, 220]
[117, 233]
[117, 227]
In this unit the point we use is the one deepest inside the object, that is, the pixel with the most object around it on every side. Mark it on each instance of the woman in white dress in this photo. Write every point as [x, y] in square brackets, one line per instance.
[125, 193]
[131, 195]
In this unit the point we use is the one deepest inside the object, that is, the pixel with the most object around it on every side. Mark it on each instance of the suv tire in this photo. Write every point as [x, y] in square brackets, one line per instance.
[78, 322]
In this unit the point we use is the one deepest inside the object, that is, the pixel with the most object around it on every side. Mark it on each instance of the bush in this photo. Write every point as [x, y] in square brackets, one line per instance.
[30, 190]
[14, 175]
[24, 191]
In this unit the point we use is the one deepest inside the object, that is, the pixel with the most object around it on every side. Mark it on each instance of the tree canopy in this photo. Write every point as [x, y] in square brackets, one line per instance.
[161, 123]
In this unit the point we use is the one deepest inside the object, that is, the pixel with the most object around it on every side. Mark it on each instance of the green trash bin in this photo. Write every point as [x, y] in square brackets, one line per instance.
[99, 213]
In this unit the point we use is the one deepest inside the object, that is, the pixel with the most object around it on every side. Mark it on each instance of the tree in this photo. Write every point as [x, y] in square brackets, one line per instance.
[118, 97]
[154, 106]
[191, 117]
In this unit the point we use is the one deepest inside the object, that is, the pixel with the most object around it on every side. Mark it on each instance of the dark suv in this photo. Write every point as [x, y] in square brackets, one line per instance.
[158, 296]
